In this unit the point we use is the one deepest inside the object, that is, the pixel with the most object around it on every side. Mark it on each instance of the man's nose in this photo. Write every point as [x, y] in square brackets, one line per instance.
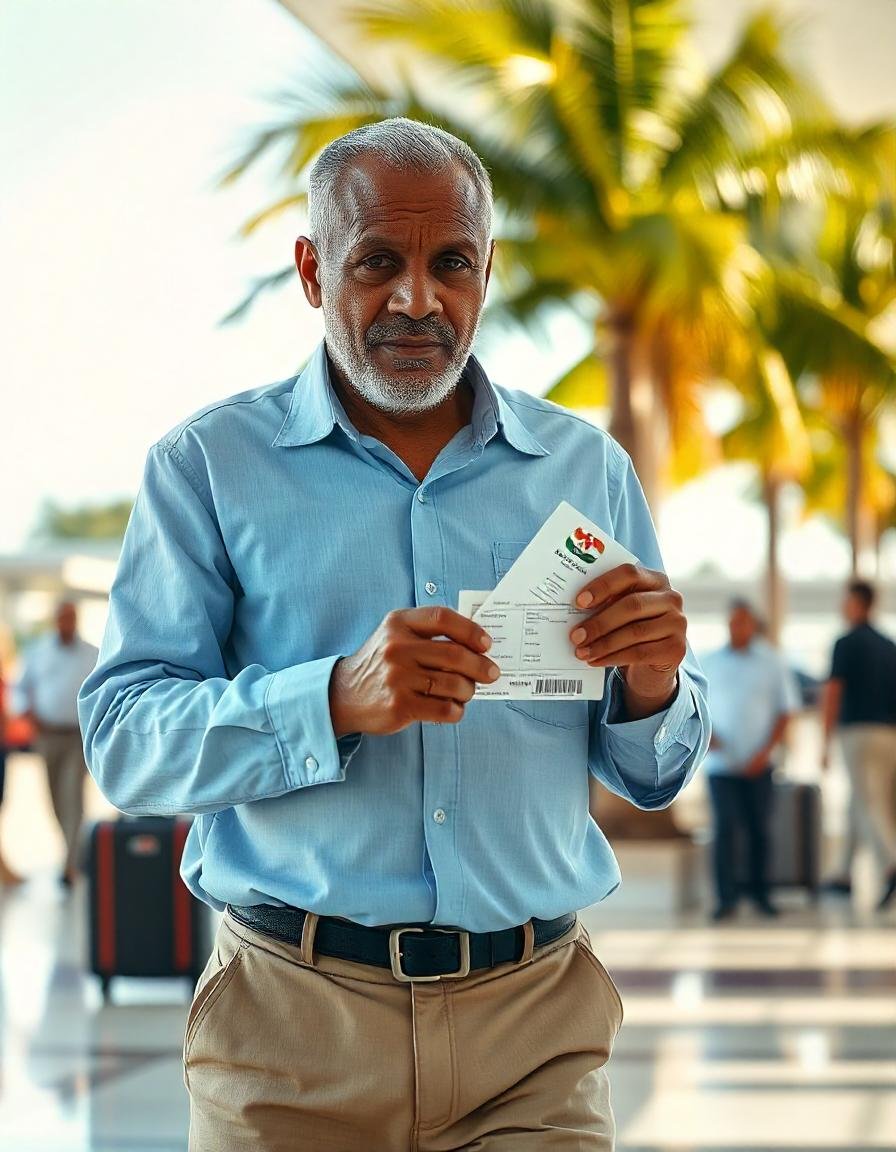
[415, 294]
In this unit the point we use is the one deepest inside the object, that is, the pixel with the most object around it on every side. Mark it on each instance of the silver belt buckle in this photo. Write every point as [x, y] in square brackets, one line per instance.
[395, 955]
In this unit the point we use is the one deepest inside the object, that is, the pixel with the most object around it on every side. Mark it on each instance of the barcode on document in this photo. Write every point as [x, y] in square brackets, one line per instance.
[554, 686]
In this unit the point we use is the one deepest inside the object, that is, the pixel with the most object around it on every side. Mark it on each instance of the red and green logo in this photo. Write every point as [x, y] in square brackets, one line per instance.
[581, 543]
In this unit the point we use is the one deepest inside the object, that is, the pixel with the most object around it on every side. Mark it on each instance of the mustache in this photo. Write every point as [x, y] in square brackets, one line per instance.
[402, 326]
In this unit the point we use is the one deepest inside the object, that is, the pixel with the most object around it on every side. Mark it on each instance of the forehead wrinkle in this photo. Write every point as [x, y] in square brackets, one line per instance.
[361, 206]
[397, 226]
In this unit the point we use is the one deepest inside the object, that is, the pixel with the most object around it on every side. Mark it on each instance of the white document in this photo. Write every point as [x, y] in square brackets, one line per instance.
[532, 611]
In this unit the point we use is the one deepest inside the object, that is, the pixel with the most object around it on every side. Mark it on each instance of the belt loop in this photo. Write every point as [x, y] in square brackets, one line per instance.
[528, 943]
[309, 931]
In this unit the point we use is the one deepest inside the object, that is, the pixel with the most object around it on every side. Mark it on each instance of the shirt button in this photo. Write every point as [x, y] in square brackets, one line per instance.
[311, 764]
[421, 496]
[439, 816]
[431, 588]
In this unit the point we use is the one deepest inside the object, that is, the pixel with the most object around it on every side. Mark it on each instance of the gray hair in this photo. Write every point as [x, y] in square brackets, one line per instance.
[407, 145]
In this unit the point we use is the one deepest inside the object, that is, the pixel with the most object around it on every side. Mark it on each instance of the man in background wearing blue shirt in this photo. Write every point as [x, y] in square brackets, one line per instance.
[752, 695]
[53, 668]
[400, 962]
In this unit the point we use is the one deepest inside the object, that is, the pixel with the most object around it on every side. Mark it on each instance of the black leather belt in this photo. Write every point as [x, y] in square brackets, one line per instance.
[417, 952]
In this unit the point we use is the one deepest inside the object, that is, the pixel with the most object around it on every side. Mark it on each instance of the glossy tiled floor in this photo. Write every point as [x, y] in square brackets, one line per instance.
[751, 1037]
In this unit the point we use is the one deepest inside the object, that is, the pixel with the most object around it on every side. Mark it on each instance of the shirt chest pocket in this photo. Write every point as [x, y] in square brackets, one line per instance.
[559, 713]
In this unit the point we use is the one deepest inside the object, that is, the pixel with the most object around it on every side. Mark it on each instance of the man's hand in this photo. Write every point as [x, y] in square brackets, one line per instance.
[757, 764]
[402, 674]
[638, 625]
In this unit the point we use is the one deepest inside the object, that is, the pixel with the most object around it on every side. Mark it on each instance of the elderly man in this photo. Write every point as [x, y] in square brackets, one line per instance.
[400, 964]
[53, 669]
[753, 695]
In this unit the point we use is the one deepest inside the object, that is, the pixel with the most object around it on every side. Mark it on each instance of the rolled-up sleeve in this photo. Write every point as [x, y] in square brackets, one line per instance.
[165, 729]
[648, 761]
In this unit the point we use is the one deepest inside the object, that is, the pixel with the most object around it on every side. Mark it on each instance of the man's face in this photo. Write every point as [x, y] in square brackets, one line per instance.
[741, 627]
[403, 283]
[854, 610]
[66, 621]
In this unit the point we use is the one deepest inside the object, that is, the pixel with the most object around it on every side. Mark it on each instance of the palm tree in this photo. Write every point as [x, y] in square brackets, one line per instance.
[618, 179]
[851, 486]
[772, 435]
[826, 327]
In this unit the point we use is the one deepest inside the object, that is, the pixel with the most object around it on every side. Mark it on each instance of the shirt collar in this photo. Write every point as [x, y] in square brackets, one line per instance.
[315, 409]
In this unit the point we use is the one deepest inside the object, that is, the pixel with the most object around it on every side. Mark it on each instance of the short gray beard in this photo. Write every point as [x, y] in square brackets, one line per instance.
[395, 394]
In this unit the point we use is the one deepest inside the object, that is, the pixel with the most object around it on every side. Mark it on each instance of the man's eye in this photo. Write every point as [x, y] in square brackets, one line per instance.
[454, 263]
[376, 262]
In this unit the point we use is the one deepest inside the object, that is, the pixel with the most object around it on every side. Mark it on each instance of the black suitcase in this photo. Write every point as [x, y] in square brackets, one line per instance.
[144, 921]
[794, 849]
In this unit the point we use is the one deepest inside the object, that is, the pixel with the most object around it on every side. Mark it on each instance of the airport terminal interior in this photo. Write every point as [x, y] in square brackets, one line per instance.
[757, 1035]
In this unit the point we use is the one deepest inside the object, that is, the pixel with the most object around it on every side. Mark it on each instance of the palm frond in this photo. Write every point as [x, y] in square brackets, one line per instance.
[262, 284]
[772, 431]
[284, 204]
[818, 333]
[527, 308]
[632, 49]
[584, 385]
[481, 37]
[754, 100]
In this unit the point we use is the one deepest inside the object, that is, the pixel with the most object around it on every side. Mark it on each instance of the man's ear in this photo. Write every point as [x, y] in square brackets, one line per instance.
[308, 265]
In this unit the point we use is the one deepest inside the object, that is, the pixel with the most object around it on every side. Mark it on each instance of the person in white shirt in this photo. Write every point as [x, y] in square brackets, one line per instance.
[751, 697]
[53, 669]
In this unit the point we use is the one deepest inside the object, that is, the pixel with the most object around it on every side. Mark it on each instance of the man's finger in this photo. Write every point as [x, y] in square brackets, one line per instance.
[443, 656]
[436, 710]
[628, 636]
[442, 621]
[633, 606]
[653, 652]
[619, 581]
[445, 685]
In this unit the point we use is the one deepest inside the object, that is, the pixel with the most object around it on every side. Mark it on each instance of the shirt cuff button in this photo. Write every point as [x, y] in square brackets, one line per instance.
[311, 764]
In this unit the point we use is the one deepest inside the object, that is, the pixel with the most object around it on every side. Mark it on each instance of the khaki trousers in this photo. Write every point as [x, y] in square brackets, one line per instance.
[281, 1054]
[869, 751]
[66, 773]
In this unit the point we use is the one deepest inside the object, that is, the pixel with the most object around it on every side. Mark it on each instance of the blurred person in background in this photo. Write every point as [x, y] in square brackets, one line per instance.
[8, 877]
[752, 695]
[53, 668]
[859, 703]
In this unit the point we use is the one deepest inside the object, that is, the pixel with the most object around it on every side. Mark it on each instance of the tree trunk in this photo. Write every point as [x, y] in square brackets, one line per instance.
[635, 419]
[878, 546]
[771, 491]
[853, 436]
[634, 424]
[853, 490]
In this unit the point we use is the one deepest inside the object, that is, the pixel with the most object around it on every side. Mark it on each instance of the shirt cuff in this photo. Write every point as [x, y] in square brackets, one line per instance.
[663, 729]
[298, 705]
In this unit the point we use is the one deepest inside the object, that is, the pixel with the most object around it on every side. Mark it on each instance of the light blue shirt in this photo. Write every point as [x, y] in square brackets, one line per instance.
[749, 690]
[50, 677]
[268, 539]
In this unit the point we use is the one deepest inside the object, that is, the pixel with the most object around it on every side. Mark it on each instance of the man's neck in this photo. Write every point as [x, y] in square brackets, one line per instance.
[416, 437]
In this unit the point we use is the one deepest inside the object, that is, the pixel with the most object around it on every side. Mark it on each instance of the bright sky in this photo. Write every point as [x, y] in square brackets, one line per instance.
[119, 255]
